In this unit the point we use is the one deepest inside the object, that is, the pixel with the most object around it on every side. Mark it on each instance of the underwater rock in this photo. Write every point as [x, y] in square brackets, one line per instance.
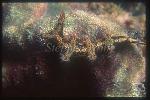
[73, 54]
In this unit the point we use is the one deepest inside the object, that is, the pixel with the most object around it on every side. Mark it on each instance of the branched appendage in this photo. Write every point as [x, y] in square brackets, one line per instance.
[59, 39]
[60, 24]
[56, 35]
[90, 48]
[69, 48]
[57, 32]
[123, 38]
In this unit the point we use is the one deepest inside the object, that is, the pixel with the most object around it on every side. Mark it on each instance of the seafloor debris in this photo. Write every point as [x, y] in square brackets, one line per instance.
[75, 53]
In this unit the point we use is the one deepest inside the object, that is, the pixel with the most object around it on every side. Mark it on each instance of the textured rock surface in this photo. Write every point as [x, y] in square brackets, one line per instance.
[71, 53]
